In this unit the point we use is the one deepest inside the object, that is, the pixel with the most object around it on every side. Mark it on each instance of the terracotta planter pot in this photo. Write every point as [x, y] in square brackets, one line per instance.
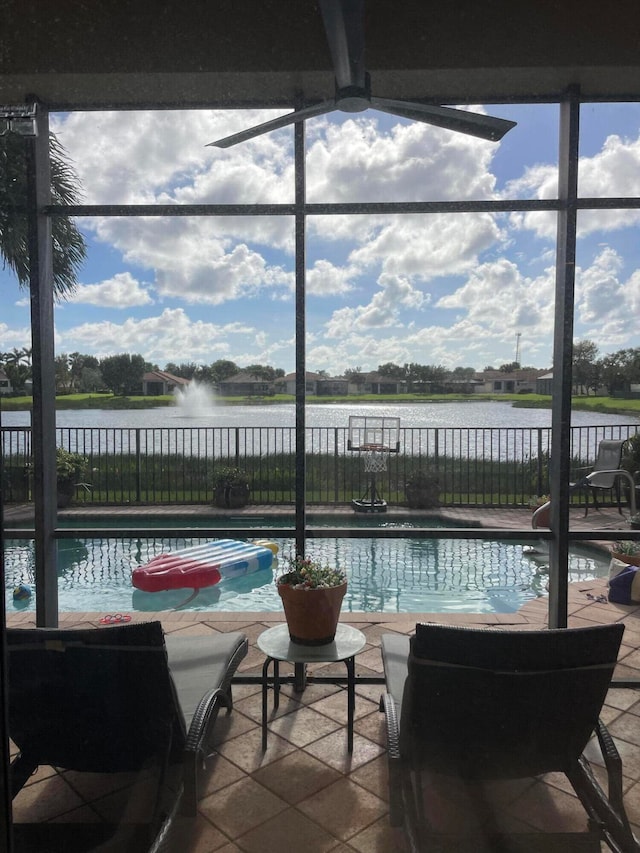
[421, 498]
[631, 559]
[312, 614]
[543, 519]
[231, 497]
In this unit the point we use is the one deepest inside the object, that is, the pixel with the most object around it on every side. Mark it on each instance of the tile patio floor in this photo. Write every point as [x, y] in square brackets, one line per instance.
[306, 793]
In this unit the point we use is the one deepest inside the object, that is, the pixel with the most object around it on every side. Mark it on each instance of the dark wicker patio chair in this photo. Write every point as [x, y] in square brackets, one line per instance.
[467, 709]
[108, 700]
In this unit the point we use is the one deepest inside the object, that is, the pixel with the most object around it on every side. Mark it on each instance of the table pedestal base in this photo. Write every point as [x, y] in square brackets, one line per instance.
[276, 680]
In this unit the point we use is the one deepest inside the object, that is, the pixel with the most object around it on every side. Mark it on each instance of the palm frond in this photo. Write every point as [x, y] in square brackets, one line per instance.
[69, 246]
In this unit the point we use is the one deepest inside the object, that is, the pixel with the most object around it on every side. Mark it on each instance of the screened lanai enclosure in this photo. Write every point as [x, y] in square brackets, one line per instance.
[463, 130]
[151, 90]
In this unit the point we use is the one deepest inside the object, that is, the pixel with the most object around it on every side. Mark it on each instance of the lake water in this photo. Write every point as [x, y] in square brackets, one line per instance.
[489, 429]
[480, 415]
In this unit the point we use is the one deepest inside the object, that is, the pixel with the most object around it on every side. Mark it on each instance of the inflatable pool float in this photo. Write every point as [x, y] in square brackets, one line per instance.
[202, 565]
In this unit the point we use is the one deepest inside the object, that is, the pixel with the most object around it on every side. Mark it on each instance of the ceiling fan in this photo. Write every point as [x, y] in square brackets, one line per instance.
[344, 25]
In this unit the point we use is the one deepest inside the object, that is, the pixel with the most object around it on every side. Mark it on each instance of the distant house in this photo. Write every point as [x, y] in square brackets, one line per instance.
[500, 382]
[460, 386]
[5, 383]
[544, 384]
[245, 384]
[376, 383]
[333, 386]
[310, 383]
[159, 382]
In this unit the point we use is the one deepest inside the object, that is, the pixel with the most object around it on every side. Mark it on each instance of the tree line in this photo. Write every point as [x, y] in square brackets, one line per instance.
[122, 374]
[616, 371]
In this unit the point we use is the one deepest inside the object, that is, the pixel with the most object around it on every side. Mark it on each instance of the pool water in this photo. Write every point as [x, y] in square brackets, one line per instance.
[385, 575]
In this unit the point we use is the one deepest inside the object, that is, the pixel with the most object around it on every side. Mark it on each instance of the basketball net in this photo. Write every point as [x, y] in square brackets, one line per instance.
[375, 459]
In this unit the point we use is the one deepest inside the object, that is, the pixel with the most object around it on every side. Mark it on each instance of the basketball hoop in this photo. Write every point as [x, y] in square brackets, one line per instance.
[375, 437]
[376, 457]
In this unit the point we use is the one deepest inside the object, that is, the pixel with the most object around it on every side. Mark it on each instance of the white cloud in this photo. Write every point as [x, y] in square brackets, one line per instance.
[192, 260]
[171, 336]
[608, 306]
[429, 246]
[326, 279]
[613, 172]
[142, 157]
[14, 338]
[159, 157]
[355, 161]
[382, 311]
[501, 300]
[120, 291]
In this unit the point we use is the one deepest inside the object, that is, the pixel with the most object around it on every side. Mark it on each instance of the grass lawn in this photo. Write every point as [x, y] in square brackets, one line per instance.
[609, 405]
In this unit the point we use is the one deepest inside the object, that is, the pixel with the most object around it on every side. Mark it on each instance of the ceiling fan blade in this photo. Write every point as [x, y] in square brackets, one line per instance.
[344, 25]
[274, 124]
[463, 121]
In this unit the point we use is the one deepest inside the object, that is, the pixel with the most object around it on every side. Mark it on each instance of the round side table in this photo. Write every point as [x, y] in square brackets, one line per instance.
[277, 646]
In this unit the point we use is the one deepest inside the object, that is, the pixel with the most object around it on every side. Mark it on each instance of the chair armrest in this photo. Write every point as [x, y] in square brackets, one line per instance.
[613, 765]
[607, 811]
[393, 729]
[191, 662]
[395, 764]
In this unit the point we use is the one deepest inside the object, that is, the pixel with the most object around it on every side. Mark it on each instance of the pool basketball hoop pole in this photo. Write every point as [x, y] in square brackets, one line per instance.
[376, 438]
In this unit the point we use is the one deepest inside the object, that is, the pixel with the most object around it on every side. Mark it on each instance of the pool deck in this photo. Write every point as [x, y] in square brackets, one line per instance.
[306, 786]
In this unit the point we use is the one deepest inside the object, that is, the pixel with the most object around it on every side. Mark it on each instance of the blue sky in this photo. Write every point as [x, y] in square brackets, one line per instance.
[454, 290]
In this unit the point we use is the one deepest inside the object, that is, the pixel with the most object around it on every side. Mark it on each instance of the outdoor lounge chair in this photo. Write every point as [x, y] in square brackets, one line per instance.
[604, 475]
[117, 700]
[467, 709]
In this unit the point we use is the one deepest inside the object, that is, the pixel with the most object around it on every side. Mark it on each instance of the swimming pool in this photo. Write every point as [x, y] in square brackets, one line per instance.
[385, 575]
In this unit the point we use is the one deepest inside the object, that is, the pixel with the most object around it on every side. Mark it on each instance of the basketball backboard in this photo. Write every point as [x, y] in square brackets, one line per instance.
[373, 433]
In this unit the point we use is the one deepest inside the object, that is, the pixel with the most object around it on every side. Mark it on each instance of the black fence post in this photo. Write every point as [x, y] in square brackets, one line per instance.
[138, 467]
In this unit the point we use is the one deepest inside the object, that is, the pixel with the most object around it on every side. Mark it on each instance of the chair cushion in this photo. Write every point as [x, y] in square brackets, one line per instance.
[199, 664]
[395, 654]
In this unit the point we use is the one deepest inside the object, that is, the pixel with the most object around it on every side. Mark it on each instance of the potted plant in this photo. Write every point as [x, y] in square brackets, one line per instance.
[627, 551]
[230, 487]
[312, 596]
[422, 489]
[71, 471]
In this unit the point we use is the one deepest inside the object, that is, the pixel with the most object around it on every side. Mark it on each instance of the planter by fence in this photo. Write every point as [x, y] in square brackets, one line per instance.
[16, 483]
[66, 493]
[231, 497]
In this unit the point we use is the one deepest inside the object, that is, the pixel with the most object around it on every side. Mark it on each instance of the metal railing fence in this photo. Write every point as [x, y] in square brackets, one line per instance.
[474, 466]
